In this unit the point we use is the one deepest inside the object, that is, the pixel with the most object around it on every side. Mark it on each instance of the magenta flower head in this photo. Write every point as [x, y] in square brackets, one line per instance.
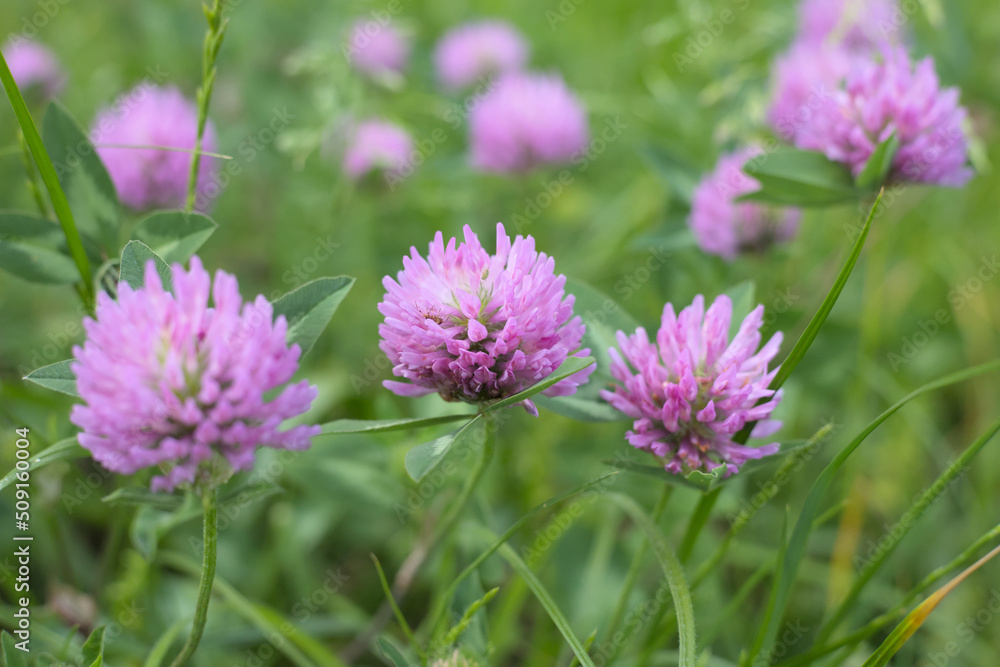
[693, 389]
[525, 121]
[376, 48]
[34, 66]
[477, 327]
[892, 96]
[476, 50]
[377, 145]
[725, 227]
[144, 177]
[854, 24]
[803, 80]
[168, 380]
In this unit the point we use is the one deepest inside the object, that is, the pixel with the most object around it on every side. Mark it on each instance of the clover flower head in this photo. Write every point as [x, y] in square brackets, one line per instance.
[376, 48]
[377, 145]
[127, 137]
[525, 121]
[725, 227]
[168, 380]
[477, 327]
[889, 96]
[34, 65]
[476, 50]
[854, 24]
[692, 389]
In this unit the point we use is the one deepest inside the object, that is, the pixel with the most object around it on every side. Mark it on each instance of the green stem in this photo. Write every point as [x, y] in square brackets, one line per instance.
[51, 180]
[633, 571]
[211, 539]
[698, 520]
[213, 42]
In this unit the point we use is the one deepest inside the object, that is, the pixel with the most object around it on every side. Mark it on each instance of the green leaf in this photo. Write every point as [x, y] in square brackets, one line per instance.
[309, 308]
[588, 486]
[390, 654]
[89, 189]
[174, 235]
[150, 524]
[30, 248]
[877, 168]
[603, 318]
[247, 492]
[13, 656]
[816, 323]
[799, 178]
[548, 604]
[58, 377]
[64, 449]
[674, 573]
[423, 458]
[384, 425]
[744, 298]
[140, 495]
[135, 256]
[581, 409]
[568, 367]
[681, 177]
[788, 569]
[93, 648]
[158, 653]
[301, 649]
[51, 179]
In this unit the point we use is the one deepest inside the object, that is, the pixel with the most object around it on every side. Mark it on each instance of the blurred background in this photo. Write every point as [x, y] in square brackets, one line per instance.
[671, 104]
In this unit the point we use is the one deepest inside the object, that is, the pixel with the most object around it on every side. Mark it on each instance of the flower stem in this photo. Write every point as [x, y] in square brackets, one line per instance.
[636, 565]
[211, 539]
[698, 520]
[213, 42]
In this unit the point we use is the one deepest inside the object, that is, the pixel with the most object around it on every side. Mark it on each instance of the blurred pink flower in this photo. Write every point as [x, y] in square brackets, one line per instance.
[692, 389]
[147, 178]
[892, 95]
[477, 327]
[804, 79]
[525, 121]
[34, 65]
[725, 227]
[476, 50]
[374, 48]
[377, 145]
[169, 381]
[853, 24]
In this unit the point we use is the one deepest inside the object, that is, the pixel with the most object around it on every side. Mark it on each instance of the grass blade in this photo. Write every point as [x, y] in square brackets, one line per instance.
[916, 618]
[788, 569]
[674, 573]
[548, 604]
[48, 173]
[300, 649]
[914, 513]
